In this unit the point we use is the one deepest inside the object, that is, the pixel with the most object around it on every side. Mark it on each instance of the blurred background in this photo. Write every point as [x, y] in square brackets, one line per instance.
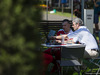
[19, 37]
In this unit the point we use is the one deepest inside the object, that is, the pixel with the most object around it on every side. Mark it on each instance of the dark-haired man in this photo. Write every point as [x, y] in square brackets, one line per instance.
[56, 51]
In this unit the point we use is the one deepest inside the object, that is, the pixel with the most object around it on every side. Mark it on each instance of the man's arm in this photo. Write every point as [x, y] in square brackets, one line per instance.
[96, 5]
[58, 37]
[66, 41]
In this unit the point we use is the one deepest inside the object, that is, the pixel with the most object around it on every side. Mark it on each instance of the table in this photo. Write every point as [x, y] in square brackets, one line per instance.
[70, 51]
[74, 50]
[67, 45]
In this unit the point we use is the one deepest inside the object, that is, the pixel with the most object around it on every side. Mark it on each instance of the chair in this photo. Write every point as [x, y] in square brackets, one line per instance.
[94, 66]
[71, 56]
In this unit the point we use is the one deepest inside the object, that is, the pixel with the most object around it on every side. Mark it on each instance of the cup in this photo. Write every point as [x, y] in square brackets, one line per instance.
[62, 40]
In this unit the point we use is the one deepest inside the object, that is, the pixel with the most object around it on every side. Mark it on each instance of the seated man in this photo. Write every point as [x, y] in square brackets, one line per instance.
[56, 51]
[82, 35]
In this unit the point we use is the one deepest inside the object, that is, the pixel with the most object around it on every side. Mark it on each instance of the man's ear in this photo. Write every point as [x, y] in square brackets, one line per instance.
[78, 24]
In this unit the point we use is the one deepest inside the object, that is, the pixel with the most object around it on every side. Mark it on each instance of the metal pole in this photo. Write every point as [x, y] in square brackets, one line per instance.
[72, 10]
[59, 3]
[82, 10]
[62, 7]
[69, 4]
[50, 2]
[47, 10]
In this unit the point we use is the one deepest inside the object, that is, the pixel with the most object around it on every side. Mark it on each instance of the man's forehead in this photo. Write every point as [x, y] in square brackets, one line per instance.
[73, 22]
[65, 23]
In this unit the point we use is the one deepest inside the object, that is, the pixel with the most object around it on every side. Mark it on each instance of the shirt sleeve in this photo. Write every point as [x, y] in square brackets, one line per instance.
[60, 32]
[74, 36]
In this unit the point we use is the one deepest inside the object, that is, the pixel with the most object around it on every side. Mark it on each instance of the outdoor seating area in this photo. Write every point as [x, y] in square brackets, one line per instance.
[52, 21]
[45, 28]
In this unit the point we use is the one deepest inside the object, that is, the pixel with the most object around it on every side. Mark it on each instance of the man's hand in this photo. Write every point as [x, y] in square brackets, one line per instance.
[58, 37]
[96, 5]
[58, 41]
[70, 41]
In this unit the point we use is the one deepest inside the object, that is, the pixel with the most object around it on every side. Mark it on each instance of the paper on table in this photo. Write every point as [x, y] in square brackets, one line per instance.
[51, 33]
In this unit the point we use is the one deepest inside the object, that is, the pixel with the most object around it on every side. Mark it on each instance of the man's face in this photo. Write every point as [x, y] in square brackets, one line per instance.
[66, 26]
[75, 26]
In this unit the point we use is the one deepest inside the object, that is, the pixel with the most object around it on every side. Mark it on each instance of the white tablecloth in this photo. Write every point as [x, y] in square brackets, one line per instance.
[67, 45]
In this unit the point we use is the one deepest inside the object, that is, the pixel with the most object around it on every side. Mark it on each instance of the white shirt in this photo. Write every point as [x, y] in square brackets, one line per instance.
[84, 36]
[70, 31]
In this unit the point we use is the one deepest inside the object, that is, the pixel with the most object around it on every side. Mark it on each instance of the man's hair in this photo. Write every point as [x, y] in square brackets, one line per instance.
[69, 21]
[78, 20]
[66, 20]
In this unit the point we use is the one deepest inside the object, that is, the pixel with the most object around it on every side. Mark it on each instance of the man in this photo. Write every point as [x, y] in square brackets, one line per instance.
[82, 35]
[77, 10]
[96, 14]
[56, 51]
[66, 28]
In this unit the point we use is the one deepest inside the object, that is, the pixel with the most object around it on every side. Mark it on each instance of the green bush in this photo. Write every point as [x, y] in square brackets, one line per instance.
[19, 37]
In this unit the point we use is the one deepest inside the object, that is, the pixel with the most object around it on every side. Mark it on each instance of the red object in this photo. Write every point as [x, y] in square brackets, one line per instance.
[56, 52]
[60, 32]
[47, 58]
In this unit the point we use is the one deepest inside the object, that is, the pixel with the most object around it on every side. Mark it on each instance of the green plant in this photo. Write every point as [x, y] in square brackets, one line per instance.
[19, 37]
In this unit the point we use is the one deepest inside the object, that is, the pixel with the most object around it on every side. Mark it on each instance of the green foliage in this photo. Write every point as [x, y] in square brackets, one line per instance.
[19, 37]
[89, 4]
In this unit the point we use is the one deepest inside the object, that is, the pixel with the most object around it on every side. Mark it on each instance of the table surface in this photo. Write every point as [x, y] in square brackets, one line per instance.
[67, 45]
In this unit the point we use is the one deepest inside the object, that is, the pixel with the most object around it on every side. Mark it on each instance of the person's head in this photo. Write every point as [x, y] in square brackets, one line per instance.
[66, 25]
[77, 22]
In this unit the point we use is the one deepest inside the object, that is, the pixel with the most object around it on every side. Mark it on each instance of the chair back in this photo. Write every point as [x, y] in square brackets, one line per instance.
[72, 52]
